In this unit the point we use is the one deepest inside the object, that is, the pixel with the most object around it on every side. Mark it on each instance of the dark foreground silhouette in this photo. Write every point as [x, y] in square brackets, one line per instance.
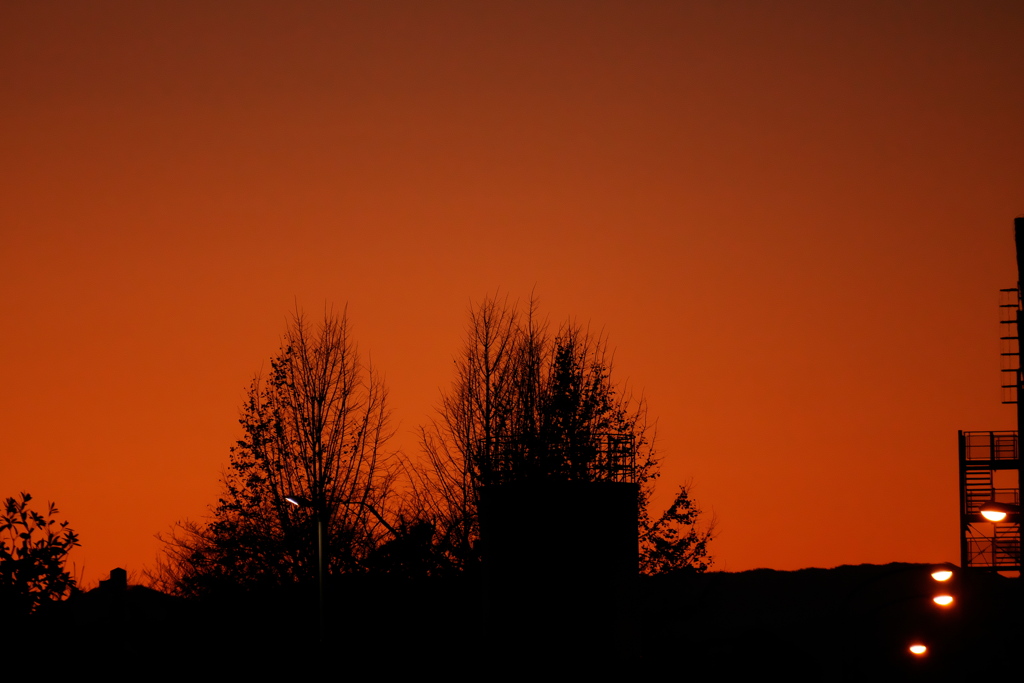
[813, 624]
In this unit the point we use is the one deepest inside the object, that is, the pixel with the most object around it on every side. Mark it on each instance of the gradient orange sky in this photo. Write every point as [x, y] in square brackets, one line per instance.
[792, 220]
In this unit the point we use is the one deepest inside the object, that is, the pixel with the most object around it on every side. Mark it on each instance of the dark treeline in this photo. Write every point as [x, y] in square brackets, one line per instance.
[409, 583]
[526, 400]
[324, 533]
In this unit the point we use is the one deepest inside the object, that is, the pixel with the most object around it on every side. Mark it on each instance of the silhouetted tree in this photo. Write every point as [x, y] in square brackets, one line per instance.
[480, 406]
[526, 404]
[676, 541]
[33, 551]
[317, 428]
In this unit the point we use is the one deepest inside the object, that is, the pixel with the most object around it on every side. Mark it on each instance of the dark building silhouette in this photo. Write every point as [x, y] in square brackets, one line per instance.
[558, 538]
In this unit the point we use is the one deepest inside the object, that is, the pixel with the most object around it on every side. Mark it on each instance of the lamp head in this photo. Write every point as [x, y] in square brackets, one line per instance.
[994, 511]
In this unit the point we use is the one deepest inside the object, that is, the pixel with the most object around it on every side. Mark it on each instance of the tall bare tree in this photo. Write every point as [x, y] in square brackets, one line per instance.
[315, 428]
[528, 404]
[481, 406]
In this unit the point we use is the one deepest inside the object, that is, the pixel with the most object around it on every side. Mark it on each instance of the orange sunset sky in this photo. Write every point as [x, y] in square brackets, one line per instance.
[791, 219]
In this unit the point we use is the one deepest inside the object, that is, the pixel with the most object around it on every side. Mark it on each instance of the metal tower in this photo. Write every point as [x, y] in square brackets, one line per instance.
[990, 462]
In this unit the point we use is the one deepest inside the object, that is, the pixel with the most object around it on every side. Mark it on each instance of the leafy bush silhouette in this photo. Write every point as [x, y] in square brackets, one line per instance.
[33, 551]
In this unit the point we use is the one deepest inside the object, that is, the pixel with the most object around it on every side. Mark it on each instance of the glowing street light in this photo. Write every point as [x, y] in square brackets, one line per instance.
[998, 512]
[918, 649]
[993, 515]
[943, 574]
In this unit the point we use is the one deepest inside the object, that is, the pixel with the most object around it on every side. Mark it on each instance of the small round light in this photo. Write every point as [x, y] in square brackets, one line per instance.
[943, 600]
[918, 649]
[993, 515]
[942, 575]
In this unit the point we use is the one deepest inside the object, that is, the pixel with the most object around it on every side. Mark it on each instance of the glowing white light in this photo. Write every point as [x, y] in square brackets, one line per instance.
[943, 600]
[918, 649]
[942, 575]
[993, 515]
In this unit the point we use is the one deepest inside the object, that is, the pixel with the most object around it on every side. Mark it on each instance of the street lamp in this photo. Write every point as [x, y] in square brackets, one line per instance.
[998, 512]
[318, 512]
[321, 515]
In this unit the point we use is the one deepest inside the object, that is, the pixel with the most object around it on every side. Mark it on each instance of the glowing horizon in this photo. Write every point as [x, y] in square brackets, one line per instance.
[791, 221]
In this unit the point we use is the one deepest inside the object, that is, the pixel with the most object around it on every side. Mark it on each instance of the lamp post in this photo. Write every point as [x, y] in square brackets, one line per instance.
[321, 532]
[318, 512]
